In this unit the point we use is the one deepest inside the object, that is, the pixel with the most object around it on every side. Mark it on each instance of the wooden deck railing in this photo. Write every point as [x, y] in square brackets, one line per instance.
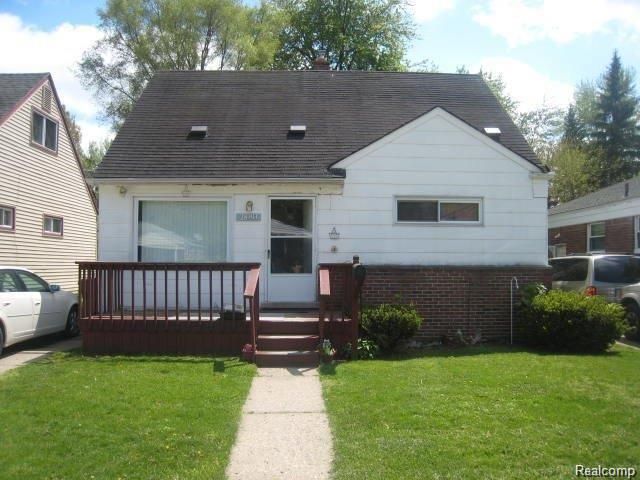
[252, 294]
[157, 293]
[339, 292]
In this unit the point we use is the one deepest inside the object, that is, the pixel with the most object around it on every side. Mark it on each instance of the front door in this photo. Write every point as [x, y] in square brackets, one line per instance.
[291, 251]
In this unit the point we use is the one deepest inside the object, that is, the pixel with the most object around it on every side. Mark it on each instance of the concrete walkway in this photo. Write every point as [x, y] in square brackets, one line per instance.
[284, 432]
[15, 360]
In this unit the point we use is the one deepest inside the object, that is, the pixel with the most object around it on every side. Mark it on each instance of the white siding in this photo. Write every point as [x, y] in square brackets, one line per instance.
[434, 156]
[36, 182]
[622, 209]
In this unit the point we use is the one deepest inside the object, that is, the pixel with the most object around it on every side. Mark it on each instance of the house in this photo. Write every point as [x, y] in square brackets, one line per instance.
[47, 211]
[424, 177]
[605, 221]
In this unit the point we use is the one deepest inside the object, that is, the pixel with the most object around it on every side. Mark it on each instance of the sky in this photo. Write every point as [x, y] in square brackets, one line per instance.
[542, 48]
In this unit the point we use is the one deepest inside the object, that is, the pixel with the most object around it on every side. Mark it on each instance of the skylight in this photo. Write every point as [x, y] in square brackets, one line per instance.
[198, 131]
[298, 128]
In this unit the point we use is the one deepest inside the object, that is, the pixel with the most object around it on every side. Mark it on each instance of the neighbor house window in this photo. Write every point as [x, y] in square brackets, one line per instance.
[52, 225]
[412, 210]
[7, 218]
[182, 231]
[44, 131]
[595, 238]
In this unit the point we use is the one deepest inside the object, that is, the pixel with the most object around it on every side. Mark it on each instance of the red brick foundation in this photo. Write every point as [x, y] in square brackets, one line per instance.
[449, 299]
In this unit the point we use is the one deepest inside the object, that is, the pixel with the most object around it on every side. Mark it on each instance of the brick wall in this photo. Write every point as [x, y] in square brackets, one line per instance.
[618, 236]
[469, 299]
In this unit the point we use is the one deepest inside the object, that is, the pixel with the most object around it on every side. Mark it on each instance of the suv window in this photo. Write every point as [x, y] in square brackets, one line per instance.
[617, 269]
[31, 282]
[8, 282]
[570, 269]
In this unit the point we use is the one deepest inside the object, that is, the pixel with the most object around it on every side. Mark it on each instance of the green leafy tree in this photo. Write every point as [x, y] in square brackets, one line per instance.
[144, 36]
[74, 129]
[354, 34]
[542, 128]
[570, 165]
[95, 153]
[497, 85]
[585, 101]
[616, 129]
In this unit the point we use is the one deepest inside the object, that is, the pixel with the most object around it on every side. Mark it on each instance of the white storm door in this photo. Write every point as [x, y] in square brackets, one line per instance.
[291, 250]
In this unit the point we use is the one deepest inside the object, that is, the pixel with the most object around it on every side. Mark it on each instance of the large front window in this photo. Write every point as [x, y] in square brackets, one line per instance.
[182, 231]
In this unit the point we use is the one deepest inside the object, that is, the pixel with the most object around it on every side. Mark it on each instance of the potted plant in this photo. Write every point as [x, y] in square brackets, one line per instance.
[326, 350]
[247, 352]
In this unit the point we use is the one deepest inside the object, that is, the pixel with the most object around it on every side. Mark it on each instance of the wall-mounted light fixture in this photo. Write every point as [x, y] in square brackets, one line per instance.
[334, 234]
[248, 207]
[123, 190]
[185, 191]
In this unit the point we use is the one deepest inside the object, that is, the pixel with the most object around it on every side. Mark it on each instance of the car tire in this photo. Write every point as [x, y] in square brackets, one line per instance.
[633, 319]
[1, 340]
[72, 328]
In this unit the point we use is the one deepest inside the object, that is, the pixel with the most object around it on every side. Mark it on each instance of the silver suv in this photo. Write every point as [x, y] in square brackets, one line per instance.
[595, 274]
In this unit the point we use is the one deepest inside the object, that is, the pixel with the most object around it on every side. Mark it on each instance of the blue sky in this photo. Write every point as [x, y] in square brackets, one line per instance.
[541, 47]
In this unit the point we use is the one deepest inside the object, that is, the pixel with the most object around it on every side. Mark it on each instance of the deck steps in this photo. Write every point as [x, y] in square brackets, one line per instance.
[288, 339]
[288, 342]
[286, 358]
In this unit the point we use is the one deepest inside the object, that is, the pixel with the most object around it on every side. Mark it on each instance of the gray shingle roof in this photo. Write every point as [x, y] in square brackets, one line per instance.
[14, 87]
[249, 114]
[611, 194]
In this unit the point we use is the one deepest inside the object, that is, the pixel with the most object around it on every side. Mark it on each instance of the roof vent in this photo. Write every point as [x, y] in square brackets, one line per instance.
[198, 132]
[299, 129]
[493, 132]
[46, 98]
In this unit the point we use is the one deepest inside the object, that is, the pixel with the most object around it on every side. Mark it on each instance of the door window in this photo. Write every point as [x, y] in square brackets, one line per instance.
[8, 282]
[291, 236]
[31, 282]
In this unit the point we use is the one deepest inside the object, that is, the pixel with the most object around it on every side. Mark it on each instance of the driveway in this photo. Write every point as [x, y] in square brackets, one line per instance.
[25, 352]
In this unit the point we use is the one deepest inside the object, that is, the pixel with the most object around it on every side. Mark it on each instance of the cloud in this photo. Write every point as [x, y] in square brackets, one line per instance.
[427, 10]
[29, 49]
[528, 86]
[521, 22]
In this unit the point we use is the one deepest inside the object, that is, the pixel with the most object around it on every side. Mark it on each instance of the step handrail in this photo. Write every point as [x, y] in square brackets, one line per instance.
[252, 293]
[324, 285]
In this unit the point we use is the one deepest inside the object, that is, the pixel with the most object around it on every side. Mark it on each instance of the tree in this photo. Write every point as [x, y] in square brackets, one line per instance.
[573, 129]
[571, 179]
[616, 129]
[144, 36]
[95, 153]
[542, 128]
[586, 108]
[497, 85]
[74, 129]
[354, 34]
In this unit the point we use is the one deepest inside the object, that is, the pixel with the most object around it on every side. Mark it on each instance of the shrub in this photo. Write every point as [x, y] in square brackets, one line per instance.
[387, 324]
[367, 349]
[570, 321]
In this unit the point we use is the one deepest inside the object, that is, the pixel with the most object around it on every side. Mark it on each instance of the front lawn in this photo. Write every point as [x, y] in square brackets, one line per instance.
[484, 412]
[76, 417]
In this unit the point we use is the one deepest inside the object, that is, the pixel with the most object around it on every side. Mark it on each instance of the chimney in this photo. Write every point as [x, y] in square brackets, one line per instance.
[321, 63]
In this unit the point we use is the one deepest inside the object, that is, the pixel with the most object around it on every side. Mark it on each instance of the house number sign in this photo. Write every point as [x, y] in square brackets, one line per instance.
[248, 217]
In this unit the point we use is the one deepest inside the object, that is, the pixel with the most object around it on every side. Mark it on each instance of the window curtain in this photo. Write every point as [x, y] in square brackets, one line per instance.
[182, 231]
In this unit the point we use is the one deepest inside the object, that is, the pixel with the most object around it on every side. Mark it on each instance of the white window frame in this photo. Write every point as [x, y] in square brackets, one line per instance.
[175, 198]
[636, 232]
[554, 250]
[12, 226]
[41, 143]
[443, 199]
[589, 236]
[52, 233]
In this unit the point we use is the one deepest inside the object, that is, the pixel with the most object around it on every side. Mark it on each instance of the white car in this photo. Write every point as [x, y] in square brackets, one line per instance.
[30, 307]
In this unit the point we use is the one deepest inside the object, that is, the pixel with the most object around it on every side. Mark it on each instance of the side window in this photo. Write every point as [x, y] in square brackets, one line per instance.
[8, 282]
[31, 282]
[570, 270]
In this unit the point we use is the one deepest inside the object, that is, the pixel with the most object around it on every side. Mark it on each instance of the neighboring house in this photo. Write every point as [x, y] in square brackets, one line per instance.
[47, 211]
[606, 221]
[424, 176]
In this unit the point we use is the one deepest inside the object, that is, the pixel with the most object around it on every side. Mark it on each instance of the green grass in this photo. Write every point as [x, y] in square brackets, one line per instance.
[484, 412]
[76, 417]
